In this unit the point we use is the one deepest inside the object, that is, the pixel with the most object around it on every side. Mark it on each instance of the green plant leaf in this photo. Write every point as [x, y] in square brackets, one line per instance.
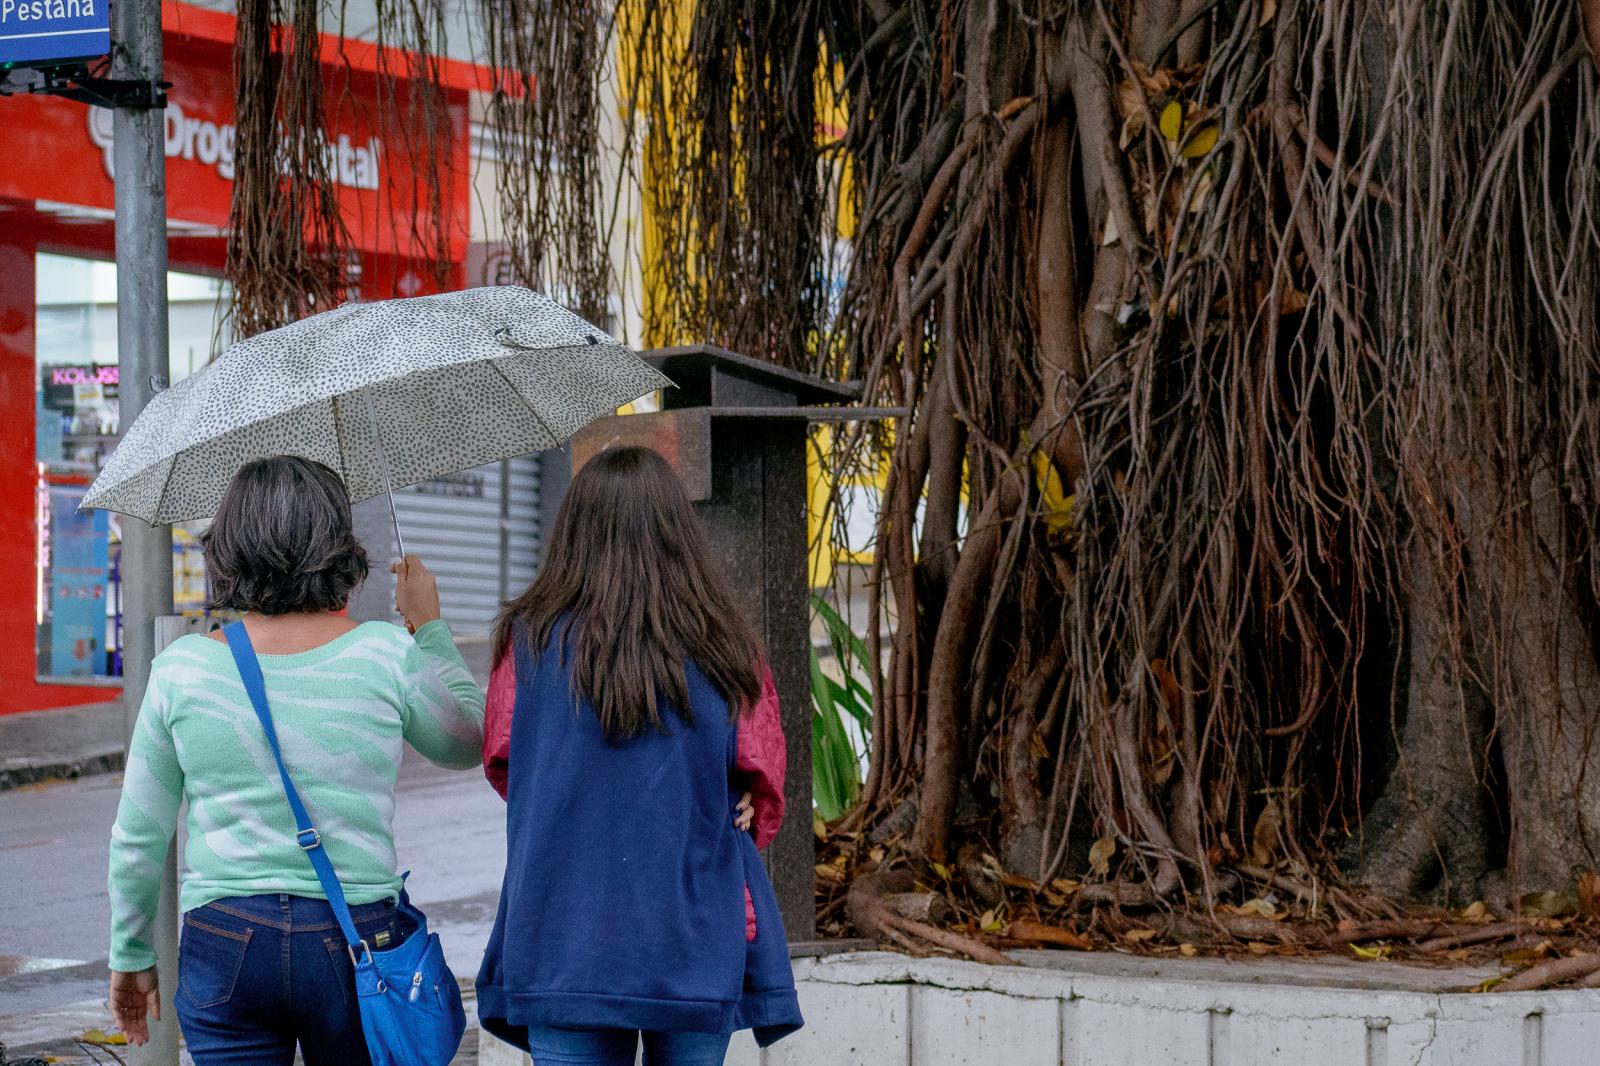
[840, 633]
[824, 791]
[836, 776]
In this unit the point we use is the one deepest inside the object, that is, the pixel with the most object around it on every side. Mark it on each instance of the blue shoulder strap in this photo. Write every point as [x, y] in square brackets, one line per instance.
[310, 841]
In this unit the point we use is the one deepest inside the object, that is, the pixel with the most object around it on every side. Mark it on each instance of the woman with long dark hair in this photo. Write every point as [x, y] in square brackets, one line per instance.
[635, 904]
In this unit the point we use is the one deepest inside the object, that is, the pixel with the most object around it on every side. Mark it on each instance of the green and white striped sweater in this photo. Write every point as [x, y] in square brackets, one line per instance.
[343, 713]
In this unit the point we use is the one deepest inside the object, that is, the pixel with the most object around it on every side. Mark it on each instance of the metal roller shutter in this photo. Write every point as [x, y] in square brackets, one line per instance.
[479, 532]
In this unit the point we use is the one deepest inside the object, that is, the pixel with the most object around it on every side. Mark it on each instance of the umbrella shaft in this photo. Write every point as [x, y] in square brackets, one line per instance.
[394, 517]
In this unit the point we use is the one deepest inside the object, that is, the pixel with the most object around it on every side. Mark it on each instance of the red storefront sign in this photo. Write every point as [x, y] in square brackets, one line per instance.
[59, 151]
[56, 195]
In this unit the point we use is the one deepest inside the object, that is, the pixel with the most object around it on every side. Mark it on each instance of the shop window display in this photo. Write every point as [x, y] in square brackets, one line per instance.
[79, 602]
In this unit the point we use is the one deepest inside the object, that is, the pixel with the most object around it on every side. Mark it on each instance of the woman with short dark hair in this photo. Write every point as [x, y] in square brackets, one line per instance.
[262, 965]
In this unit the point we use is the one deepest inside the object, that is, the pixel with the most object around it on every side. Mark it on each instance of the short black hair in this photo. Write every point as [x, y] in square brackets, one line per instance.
[283, 541]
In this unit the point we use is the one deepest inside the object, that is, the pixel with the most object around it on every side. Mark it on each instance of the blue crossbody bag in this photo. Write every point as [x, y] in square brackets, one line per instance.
[410, 1002]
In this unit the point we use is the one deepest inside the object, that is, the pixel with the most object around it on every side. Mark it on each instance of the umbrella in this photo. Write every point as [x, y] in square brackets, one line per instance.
[386, 393]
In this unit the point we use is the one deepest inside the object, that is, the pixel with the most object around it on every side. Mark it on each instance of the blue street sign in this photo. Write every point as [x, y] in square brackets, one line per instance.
[40, 32]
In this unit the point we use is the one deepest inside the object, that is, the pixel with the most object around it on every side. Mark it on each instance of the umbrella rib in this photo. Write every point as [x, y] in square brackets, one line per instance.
[162, 495]
[338, 435]
[525, 402]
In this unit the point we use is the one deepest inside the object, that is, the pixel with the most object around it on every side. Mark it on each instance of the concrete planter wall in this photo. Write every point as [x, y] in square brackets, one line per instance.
[880, 1009]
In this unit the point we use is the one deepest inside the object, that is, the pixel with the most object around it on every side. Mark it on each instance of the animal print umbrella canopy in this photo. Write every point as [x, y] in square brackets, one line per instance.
[391, 391]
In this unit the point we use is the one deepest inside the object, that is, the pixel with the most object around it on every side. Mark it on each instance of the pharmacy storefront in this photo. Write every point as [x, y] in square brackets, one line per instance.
[60, 611]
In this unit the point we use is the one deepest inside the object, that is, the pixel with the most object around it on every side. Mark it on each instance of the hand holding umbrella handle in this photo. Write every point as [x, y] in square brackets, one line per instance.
[416, 594]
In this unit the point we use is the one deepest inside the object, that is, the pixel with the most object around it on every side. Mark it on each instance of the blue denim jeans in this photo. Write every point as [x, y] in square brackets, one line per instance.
[259, 974]
[619, 1047]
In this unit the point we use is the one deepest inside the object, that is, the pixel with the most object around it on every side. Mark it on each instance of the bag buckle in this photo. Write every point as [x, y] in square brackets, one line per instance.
[308, 839]
[365, 949]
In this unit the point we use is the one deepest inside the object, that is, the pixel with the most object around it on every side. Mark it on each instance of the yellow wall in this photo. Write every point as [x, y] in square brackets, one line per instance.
[659, 312]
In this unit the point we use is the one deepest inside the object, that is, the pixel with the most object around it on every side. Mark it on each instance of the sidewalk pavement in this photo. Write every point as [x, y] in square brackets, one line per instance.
[69, 742]
[66, 742]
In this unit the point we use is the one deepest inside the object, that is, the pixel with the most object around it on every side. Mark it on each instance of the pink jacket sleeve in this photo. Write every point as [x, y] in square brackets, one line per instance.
[762, 759]
[502, 699]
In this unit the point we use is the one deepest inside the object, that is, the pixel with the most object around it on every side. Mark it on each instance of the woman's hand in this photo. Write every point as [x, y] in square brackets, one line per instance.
[416, 595]
[744, 814]
[134, 995]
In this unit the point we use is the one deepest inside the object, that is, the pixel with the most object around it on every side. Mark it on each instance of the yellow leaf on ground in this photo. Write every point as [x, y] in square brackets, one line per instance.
[1100, 855]
[1172, 120]
[1138, 936]
[942, 870]
[1203, 140]
[100, 1036]
[1549, 905]
[1373, 953]
[1478, 913]
[1257, 908]
[1188, 951]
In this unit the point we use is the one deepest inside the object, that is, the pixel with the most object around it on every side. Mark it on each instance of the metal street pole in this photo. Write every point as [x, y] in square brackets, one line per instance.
[140, 163]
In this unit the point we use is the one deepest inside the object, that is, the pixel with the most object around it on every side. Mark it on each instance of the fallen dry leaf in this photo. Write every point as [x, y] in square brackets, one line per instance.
[1188, 951]
[1525, 956]
[1589, 894]
[1548, 905]
[1026, 929]
[1138, 936]
[1100, 855]
[1374, 953]
[1477, 914]
[1264, 836]
[1257, 908]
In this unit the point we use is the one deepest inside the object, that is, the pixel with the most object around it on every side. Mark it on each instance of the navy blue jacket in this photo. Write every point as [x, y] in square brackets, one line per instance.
[623, 903]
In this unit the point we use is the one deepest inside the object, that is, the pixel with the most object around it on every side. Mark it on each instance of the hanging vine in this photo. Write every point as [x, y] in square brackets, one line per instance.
[290, 251]
[1242, 533]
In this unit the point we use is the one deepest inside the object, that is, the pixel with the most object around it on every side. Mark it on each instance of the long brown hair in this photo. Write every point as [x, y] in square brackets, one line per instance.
[629, 572]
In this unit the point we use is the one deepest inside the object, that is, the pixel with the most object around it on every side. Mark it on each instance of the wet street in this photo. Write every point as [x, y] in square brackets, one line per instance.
[54, 912]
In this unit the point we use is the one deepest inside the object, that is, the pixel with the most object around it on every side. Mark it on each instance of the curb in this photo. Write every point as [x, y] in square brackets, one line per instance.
[105, 762]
